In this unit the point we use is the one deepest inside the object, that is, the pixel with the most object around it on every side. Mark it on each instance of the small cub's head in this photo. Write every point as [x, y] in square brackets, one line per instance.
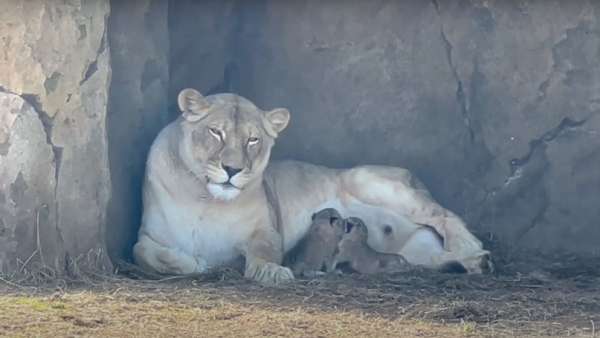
[328, 219]
[356, 230]
[354, 237]
[226, 140]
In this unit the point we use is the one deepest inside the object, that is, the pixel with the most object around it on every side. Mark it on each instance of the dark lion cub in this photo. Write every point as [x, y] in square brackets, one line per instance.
[313, 256]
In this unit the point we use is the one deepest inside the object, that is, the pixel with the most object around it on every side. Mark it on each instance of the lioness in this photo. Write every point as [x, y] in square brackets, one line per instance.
[314, 254]
[211, 195]
[354, 250]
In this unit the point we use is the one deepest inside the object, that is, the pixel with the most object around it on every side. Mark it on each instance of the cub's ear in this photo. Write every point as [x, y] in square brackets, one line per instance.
[193, 105]
[348, 226]
[276, 120]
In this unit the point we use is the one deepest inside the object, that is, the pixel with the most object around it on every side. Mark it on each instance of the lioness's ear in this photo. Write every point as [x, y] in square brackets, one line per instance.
[193, 105]
[276, 121]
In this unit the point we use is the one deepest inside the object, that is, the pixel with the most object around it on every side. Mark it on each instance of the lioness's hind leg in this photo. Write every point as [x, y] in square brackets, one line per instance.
[152, 256]
[398, 191]
[422, 247]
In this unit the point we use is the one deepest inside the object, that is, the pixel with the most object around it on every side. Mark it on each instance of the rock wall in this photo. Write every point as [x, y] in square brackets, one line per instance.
[54, 177]
[531, 86]
[493, 104]
[139, 40]
[28, 183]
[204, 46]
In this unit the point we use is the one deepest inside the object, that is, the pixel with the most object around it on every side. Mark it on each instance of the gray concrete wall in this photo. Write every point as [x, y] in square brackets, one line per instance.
[493, 104]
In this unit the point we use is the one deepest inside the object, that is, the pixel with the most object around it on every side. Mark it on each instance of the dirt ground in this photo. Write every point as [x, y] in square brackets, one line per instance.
[560, 299]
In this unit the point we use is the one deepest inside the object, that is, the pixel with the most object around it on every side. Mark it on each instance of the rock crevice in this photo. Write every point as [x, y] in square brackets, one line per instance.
[460, 93]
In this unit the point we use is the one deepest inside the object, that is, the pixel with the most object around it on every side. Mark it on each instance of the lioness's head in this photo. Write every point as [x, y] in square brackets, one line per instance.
[227, 140]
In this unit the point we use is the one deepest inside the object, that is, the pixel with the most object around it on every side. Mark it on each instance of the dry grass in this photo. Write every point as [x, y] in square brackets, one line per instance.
[134, 314]
[558, 301]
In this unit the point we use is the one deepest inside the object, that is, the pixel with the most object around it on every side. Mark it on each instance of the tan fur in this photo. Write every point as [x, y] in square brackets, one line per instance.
[316, 250]
[205, 202]
[354, 250]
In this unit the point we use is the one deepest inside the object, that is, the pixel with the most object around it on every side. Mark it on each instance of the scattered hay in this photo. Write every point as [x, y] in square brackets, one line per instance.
[558, 301]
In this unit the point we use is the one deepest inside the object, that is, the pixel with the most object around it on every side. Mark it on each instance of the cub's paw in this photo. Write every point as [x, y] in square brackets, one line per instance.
[268, 273]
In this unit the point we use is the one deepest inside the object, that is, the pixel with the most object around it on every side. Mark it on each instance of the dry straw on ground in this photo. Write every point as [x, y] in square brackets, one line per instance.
[558, 300]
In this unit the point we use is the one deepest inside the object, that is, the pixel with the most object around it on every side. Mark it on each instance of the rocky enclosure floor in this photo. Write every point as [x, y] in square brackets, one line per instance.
[560, 299]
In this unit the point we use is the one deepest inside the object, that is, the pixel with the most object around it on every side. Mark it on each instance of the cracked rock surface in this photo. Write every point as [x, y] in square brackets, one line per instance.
[493, 104]
[54, 74]
[27, 185]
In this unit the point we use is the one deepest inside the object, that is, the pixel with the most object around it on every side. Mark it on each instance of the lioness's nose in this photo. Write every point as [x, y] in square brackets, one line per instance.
[231, 171]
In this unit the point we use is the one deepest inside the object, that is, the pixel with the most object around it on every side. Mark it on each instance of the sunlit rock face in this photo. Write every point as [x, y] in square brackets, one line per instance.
[27, 186]
[55, 182]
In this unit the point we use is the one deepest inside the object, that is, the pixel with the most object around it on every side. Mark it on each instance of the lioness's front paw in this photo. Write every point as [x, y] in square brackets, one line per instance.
[268, 273]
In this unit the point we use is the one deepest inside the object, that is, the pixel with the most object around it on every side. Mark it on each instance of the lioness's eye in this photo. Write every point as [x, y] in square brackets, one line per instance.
[216, 133]
[252, 141]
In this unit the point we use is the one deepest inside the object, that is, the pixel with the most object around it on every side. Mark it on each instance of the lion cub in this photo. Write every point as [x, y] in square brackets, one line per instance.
[353, 250]
[313, 256]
